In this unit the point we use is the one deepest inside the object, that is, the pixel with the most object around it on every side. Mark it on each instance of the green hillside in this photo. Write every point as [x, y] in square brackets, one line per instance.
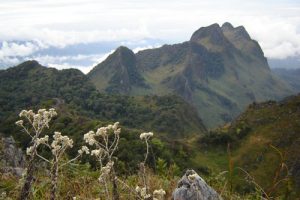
[34, 85]
[265, 143]
[220, 70]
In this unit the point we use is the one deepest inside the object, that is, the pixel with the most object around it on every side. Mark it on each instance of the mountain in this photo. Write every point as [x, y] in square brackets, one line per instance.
[220, 70]
[291, 62]
[118, 73]
[265, 142]
[291, 76]
[30, 85]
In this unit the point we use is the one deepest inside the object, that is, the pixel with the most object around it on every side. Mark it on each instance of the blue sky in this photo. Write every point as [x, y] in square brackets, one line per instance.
[81, 33]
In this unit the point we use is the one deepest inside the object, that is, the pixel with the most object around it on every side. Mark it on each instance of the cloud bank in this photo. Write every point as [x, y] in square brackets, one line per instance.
[33, 28]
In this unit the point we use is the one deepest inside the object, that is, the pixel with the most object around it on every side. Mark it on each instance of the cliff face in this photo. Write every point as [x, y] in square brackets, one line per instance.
[220, 70]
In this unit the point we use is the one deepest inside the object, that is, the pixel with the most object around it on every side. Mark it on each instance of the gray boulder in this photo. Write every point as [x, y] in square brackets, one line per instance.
[192, 187]
[12, 159]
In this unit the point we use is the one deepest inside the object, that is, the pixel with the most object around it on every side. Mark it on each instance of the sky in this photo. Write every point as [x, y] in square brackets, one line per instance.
[81, 33]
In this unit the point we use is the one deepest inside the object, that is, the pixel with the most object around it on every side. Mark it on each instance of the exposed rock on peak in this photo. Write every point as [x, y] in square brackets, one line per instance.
[211, 37]
[240, 31]
[242, 41]
[227, 26]
[213, 31]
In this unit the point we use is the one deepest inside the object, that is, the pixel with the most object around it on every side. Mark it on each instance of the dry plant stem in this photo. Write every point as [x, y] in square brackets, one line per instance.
[129, 188]
[282, 167]
[29, 178]
[256, 185]
[143, 167]
[115, 186]
[54, 177]
[25, 191]
[106, 190]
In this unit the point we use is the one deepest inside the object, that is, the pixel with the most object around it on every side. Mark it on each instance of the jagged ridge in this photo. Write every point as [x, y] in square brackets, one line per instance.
[219, 71]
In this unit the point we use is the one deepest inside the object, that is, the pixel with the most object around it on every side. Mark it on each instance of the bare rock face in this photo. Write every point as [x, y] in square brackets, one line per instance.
[192, 187]
[12, 159]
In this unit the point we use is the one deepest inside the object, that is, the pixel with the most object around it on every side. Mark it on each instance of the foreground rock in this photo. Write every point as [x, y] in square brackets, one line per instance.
[12, 159]
[192, 187]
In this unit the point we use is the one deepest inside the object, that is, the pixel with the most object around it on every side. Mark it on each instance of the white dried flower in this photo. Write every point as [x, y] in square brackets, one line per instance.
[97, 152]
[3, 195]
[42, 140]
[101, 131]
[52, 112]
[137, 189]
[19, 123]
[159, 194]
[60, 142]
[115, 126]
[144, 194]
[30, 113]
[90, 138]
[105, 171]
[84, 149]
[117, 131]
[29, 150]
[109, 126]
[41, 111]
[146, 136]
[23, 113]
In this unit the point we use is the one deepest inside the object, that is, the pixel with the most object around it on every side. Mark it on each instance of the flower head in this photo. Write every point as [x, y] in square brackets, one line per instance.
[90, 138]
[105, 171]
[84, 149]
[146, 136]
[159, 194]
[29, 150]
[60, 142]
[19, 123]
[42, 140]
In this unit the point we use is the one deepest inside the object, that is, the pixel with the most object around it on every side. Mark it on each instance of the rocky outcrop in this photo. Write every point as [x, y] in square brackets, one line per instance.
[192, 187]
[12, 157]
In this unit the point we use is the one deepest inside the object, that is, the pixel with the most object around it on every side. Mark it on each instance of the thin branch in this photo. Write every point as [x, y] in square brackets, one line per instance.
[42, 158]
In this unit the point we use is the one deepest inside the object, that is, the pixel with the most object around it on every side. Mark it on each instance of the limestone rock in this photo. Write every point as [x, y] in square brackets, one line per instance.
[192, 187]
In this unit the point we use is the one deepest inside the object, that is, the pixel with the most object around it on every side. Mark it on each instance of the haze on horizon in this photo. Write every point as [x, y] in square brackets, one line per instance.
[81, 33]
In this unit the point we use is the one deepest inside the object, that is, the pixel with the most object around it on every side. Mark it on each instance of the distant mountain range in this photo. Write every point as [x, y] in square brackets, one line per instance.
[220, 70]
[291, 76]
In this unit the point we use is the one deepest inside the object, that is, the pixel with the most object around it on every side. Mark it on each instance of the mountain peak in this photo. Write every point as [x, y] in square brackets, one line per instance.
[203, 32]
[124, 54]
[29, 65]
[123, 49]
[238, 32]
[119, 71]
[227, 26]
[241, 32]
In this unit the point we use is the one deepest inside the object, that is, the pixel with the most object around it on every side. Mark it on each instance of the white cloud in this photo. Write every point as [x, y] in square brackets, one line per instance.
[279, 39]
[9, 49]
[274, 23]
[137, 49]
[84, 69]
